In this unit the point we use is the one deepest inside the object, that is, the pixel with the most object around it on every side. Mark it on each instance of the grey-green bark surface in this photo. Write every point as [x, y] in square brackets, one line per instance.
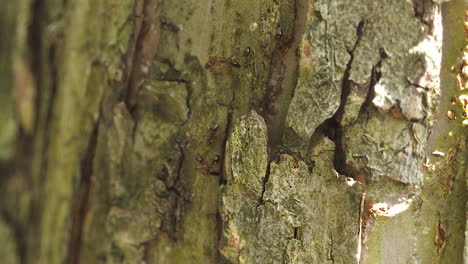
[222, 131]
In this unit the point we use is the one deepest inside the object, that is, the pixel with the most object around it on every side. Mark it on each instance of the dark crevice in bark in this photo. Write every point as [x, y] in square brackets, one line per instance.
[296, 233]
[35, 49]
[137, 19]
[173, 197]
[282, 78]
[336, 133]
[176, 186]
[417, 85]
[44, 68]
[265, 180]
[142, 48]
[34, 42]
[332, 127]
[171, 224]
[81, 203]
[281, 85]
[347, 83]
[335, 130]
[227, 131]
[176, 193]
[49, 105]
[19, 234]
[375, 78]
[52, 61]
[45, 99]
[223, 181]
[440, 236]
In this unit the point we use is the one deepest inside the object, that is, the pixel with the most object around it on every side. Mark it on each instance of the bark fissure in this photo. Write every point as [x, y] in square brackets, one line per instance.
[137, 19]
[281, 84]
[335, 130]
[175, 186]
[142, 49]
[170, 222]
[48, 105]
[283, 76]
[440, 236]
[296, 233]
[374, 79]
[332, 127]
[81, 203]
[35, 49]
[44, 68]
[227, 130]
[264, 183]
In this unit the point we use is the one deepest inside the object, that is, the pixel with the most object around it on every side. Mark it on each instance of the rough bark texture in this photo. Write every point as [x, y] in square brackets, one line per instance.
[222, 131]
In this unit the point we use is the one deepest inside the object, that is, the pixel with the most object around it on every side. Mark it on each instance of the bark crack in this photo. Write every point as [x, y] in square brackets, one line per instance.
[440, 236]
[82, 197]
[173, 197]
[227, 131]
[335, 130]
[281, 84]
[143, 48]
[282, 78]
[297, 233]
[44, 68]
[333, 127]
[264, 183]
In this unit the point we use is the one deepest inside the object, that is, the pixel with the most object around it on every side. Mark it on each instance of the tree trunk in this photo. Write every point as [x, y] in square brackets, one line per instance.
[221, 131]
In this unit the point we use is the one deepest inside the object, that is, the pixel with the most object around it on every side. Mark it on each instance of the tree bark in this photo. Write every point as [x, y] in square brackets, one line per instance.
[209, 131]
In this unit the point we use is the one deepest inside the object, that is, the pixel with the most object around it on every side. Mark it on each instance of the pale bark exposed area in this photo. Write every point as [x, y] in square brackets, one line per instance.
[224, 131]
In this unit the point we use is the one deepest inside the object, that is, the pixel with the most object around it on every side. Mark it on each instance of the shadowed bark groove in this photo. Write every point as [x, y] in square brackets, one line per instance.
[333, 127]
[283, 75]
[44, 68]
[281, 84]
[144, 46]
[81, 200]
